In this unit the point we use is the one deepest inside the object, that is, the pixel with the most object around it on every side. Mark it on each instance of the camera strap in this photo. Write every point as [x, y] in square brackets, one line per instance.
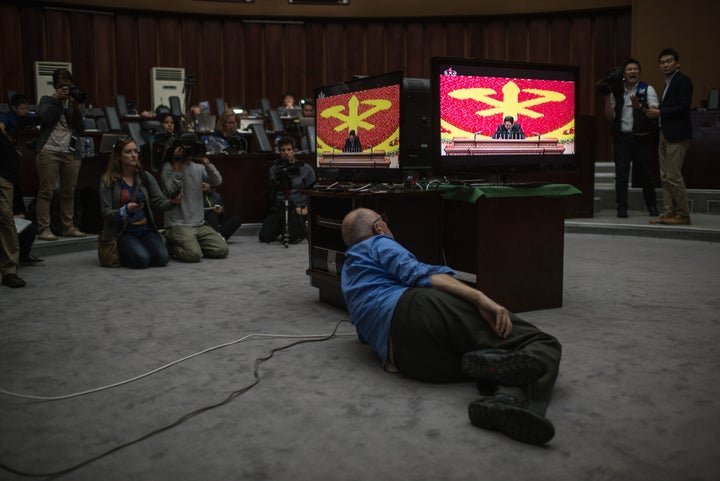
[138, 184]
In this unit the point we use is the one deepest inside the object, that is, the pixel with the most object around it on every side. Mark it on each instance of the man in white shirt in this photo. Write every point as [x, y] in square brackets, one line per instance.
[632, 135]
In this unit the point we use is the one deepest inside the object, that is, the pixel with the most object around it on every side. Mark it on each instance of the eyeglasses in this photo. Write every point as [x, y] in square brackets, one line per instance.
[382, 218]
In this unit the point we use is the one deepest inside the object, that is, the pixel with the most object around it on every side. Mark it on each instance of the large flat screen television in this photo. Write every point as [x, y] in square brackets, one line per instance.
[472, 100]
[358, 129]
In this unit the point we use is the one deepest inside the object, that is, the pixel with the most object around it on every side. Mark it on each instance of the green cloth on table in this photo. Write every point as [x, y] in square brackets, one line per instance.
[473, 193]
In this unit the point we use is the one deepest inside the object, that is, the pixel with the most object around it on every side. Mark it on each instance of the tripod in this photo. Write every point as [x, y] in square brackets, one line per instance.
[286, 228]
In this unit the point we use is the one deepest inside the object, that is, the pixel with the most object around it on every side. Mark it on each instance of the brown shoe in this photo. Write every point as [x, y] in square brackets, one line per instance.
[661, 218]
[73, 232]
[47, 235]
[677, 220]
[12, 280]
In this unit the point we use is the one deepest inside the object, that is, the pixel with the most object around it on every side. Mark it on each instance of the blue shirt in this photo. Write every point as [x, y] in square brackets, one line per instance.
[376, 272]
[13, 122]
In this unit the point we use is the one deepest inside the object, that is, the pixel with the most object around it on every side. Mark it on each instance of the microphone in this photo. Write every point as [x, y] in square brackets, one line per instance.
[370, 147]
[538, 140]
[475, 134]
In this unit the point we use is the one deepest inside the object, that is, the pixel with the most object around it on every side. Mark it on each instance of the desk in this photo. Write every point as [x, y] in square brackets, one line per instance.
[375, 159]
[469, 146]
[511, 238]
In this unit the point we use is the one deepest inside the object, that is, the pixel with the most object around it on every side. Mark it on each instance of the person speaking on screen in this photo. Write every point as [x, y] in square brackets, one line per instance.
[509, 130]
[352, 143]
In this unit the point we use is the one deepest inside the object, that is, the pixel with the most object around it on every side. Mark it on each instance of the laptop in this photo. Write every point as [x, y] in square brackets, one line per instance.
[246, 123]
[293, 112]
[206, 123]
[307, 121]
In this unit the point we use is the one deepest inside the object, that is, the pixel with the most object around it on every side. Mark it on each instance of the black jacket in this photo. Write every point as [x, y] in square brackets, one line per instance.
[515, 132]
[675, 120]
[9, 160]
[50, 109]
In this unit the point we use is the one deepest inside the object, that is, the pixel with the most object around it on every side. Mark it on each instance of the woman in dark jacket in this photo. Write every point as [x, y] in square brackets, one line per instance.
[130, 215]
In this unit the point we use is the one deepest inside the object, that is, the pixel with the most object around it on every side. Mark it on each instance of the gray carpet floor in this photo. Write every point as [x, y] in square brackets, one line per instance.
[637, 398]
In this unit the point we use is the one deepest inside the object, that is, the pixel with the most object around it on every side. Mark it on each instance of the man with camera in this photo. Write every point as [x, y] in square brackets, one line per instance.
[287, 179]
[189, 238]
[61, 125]
[626, 97]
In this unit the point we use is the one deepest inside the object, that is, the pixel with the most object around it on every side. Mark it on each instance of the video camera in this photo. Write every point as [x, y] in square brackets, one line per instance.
[286, 170]
[190, 145]
[282, 183]
[611, 82]
[77, 94]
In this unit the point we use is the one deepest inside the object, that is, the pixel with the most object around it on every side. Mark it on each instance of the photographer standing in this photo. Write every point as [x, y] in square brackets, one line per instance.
[188, 237]
[287, 179]
[625, 101]
[61, 125]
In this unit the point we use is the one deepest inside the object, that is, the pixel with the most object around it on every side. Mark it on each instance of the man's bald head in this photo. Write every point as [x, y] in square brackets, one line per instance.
[358, 226]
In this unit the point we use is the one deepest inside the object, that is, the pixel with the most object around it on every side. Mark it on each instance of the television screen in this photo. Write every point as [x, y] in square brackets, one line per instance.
[498, 118]
[358, 129]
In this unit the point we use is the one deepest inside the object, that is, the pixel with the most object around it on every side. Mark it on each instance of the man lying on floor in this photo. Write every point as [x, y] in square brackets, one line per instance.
[429, 326]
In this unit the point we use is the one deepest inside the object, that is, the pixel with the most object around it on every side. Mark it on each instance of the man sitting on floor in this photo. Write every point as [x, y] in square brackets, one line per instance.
[426, 324]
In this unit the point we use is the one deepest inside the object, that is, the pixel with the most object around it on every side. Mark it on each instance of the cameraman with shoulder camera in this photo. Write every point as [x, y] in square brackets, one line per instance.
[626, 98]
[188, 237]
[287, 179]
[61, 125]
[161, 140]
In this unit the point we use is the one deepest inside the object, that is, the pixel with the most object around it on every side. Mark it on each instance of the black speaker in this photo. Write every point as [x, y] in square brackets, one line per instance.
[112, 119]
[121, 105]
[276, 122]
[136, 133]
[175, 108]
[311, 133]
[260, 139]
[220, 106]
[265, 105]
[713, 99]
[416, 125]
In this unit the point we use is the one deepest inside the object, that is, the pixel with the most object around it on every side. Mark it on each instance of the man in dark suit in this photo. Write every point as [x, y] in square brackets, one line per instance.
[675, 135]
[509, 130]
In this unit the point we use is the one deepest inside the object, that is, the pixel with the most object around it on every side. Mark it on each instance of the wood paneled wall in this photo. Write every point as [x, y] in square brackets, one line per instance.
[243, 61]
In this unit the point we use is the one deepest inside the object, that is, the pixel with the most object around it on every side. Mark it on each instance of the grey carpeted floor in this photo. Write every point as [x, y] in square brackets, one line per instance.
[638, 396]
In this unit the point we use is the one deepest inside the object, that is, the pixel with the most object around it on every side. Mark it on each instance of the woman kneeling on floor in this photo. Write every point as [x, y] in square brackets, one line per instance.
[127, 197]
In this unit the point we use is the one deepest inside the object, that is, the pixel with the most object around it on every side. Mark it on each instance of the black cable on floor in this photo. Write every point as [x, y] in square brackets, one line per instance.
[186, 417]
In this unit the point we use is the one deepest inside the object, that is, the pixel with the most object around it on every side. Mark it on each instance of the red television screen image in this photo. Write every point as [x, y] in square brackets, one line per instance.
[502, 117]
[358, 125]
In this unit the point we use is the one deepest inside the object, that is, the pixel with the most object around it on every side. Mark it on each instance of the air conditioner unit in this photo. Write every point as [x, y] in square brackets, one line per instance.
[43, 77]
[167, 82]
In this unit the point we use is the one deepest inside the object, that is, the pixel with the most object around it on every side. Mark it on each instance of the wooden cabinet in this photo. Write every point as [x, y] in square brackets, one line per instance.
[514, 246]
